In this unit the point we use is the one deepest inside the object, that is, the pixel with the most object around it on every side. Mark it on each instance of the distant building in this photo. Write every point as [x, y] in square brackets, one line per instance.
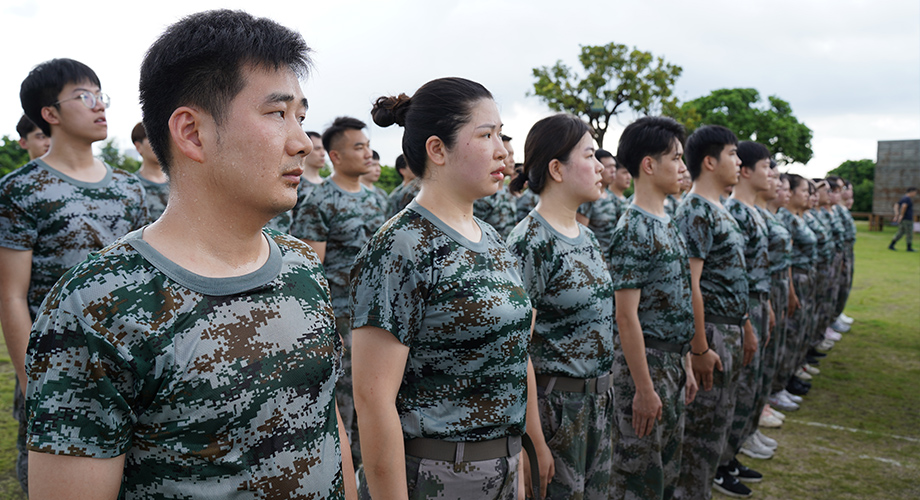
[897, 168]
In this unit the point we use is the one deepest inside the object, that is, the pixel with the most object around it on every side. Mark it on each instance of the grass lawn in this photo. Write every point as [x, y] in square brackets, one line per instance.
[857, 435]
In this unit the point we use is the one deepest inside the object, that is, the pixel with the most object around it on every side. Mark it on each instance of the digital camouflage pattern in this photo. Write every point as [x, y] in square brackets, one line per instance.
[670, 205]
[383, 200]
[825, 243]
[799, 324]
[211, 387]
[712, 235]
[648, 468]
[804, 241]
[61, 220]
[832, 220]
[462, 310]
[709, 417]
[776, 349]
[849, 225]
[498, 210]
[756, 244]
[603, 215]
[569, 286]
[649, 254]
[578, 429]
[749, 399]
[824, 273]
[526, 202]
[157, 197]
[849, 239]
[435, 479]
[402, 195]
[779, 248]
[345, 221]
[280, 222]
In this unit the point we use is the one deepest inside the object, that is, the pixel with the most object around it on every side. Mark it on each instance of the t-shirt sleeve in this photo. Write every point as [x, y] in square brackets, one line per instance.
[629, 257]
[18, 226]
[390, 286]
[585, 209]
[312, 219]
[81, 388]
[696, 227]
[530, 262]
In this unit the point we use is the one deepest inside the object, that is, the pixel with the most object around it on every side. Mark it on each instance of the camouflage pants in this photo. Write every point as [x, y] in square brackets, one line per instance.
[823, 278]
[343, 391]
[906, 229]
[798, 325]
[22, 456]
[846, 280]
[709, 417]
[773, 352]
[748, 393]
[578, 428]
[648, 468]
[487, 479]
[832, 293]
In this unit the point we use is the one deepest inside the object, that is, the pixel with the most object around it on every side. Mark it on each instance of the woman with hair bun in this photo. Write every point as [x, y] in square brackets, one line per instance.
[565, 275]
[440, 317]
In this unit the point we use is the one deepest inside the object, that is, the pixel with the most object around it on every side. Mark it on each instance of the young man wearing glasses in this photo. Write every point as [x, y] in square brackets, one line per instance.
[57, 209]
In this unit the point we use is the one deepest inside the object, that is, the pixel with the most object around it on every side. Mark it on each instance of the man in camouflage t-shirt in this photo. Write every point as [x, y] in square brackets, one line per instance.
[601, 215]
[57, 209]
[197, 357]
[337, 219]
[155, 183]
[651, 276]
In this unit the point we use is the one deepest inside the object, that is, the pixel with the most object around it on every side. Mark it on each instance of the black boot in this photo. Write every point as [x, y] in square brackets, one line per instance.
[910, 248]
[891, 246]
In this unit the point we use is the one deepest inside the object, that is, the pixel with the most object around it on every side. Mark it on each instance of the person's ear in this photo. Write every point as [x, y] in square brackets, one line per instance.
[186, 128]
[555, 170]
[647, 166]
[436, 150]
[52, 115]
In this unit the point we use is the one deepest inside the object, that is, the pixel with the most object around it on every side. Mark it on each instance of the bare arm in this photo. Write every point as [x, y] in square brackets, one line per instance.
[646, 407]
[704, 364]
[378, 362]
[793, 298]
[535, 431]
[15, 276]
[348, 465]
[319, 247]
[76, 478]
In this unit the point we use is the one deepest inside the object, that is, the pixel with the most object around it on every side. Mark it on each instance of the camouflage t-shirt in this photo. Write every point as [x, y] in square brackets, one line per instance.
[210, 387]
[712, 234]
[61, 220]
[756, 244]
[345, 221]
[498, 210]
[780, 247]
[804, 241]
[849, 225]
[462, 310]
[402, 195]
[157, 197]
[280, 222]
[603, 215]
[670, 205]
[832, 221]
[524, 203]
[649, 254]
[569, 286]
[825, 243]
[382, 199]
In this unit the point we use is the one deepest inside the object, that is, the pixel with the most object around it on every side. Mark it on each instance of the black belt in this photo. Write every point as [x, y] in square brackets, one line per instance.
[597, 385]
[665, 346]
[725, 320]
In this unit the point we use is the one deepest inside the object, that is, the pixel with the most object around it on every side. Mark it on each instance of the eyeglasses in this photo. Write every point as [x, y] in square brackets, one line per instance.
[89, 99]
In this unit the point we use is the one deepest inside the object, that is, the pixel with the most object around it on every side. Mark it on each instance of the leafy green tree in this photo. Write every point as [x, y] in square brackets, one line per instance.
[113, 156]
[12, 156]
[742, 111]
[861, 173]
[616, 78]
[389, 179]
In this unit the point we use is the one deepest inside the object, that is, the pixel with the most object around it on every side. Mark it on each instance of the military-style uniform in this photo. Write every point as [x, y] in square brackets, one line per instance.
[712, 235]
[209, 386]
[498, 210]
[800, 324]
[280, 222]
[157, 195]
[780, 253]
[402, 195]
[648, 254]
[823, 274]
[524, 203]
[849, 240]
[345, 221]
[461, 309]
[61, 220]
[603, 215]
[570, 288]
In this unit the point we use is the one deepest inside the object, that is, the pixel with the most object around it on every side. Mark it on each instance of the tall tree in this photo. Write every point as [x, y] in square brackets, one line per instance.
[616, 78]
[861, 173]
[770, 123]
[113, 156]
[12, 156]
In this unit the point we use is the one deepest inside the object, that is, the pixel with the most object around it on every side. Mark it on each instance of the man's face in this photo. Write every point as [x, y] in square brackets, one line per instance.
[146, 152]
[623, 179]
[74, 118]
[260, 145]
[373, 175]
[609, 174]
[728, 166]
[36, 143]
[760, 177]
[351, 154]
[509, 160]
[317, 158]
[669, 169]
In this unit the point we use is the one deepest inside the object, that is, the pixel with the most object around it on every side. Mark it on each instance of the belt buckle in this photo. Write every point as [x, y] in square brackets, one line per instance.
[603, 383]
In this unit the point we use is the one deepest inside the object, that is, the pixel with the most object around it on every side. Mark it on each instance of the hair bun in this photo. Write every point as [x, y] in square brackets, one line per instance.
[389, 110]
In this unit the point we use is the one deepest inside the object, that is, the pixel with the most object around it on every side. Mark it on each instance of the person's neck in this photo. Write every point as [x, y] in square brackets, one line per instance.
[152, 172]
[650, 199]
[74, 157]
[222, 239]
[349, 183]
[559, 209]
[406, 182]
[450, 206]
[744, 193]
[311, 175]
[616, 191]
[709, 188]
[368, 184]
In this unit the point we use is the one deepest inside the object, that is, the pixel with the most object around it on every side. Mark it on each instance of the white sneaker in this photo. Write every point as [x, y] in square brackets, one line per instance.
[766, 440]
[812, 370]
[778, 401]
[792, 398]
[776, 413]
[769, 421]
[826, 345]
[831, 334]
[803, 374]
[846, 319]
[755, 449]
[840, 326]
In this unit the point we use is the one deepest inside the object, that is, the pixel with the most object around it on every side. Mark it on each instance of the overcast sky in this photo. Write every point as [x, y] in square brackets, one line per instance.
[849, 69]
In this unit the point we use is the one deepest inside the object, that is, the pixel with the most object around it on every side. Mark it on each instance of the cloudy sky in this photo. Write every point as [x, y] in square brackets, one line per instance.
[849, 69]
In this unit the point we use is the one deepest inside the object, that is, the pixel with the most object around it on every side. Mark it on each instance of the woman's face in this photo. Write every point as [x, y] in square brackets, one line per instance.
[582, 172]
[799, 198]
[782, 192]
[475, 163]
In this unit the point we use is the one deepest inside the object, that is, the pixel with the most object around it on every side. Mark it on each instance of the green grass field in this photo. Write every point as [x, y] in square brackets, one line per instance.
[857, 435]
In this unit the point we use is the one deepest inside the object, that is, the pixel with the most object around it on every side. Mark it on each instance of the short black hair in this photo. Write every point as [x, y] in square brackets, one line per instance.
[506, 138]
[199, 61]
[338, 128]
[648, 136]
[314, 135]
[400, 164]
[600, 154]
[138, 133]
[911, 189]
[750, 152]
[834, 182]
[25, 127]
[708, 140]
[375, 155]
[552, 138]
[44, 83]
